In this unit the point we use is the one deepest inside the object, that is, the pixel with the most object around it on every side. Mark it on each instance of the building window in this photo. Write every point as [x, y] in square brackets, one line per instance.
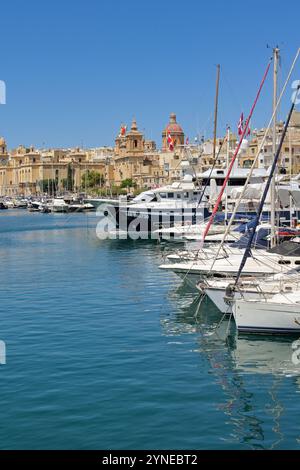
[247, 163]
[135, 143]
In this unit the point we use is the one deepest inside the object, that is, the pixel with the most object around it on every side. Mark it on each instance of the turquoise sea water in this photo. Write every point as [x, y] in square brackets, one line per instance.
[104, 351]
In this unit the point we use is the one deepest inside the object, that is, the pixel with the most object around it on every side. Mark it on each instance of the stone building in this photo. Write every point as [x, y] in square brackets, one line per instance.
[26, 169]
[135, 158]
[289, 161]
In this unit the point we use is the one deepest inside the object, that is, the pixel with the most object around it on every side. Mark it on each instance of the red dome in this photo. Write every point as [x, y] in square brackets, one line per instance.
[173, 127]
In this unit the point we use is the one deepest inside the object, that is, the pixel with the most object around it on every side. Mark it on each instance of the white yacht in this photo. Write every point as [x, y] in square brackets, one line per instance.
[58, 205]
[182, 203]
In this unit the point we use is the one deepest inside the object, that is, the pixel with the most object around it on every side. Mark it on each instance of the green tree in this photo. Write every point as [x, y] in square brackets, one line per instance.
[92, 179]
[48, 186]
[70, 178]
[68, 182]
[128, 183]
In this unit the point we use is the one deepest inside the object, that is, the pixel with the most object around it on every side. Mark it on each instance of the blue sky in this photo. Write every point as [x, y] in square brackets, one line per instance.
[75, 70]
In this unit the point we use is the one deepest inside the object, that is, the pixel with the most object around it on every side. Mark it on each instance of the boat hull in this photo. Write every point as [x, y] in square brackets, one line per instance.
[266, 317]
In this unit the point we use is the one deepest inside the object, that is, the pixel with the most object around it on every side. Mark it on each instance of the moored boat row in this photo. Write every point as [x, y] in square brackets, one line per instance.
[47, 205]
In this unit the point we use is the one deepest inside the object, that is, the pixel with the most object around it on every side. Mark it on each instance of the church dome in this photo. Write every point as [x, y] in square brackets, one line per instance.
[173, 127]
[175, 131]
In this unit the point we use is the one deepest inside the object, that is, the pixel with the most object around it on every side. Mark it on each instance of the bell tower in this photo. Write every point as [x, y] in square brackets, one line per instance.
[3, 150]
[134, 140]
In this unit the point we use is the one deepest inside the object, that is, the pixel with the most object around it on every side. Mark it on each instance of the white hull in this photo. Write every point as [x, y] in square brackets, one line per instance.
[217, 297]
[59, 209]
[195, 272]
[258, 316]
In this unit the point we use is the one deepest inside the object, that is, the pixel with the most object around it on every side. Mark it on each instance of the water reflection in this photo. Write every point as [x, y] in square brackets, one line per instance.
[258, 378]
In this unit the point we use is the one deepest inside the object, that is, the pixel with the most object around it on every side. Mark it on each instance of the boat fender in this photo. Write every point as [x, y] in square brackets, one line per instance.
[229, 291]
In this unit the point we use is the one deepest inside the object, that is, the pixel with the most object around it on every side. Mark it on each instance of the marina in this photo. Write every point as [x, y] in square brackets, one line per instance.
[149, 233]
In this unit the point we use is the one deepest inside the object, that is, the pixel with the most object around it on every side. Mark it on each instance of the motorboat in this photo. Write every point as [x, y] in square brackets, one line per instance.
[185, 202]
[34, 206]
[58, 205]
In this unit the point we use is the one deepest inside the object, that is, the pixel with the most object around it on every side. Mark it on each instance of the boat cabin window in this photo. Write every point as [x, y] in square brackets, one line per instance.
[163, 195]
[220, 181]
[170, 195]
[186, 195]
[153, 199]
[297, 261]
[284, 261]
[178, 196]
[237, 182]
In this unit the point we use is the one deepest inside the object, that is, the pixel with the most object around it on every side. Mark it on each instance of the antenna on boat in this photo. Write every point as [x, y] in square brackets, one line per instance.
[216, 110]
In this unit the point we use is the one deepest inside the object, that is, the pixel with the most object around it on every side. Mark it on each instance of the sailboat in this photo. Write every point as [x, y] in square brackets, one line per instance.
[249, 288]
[279, 313]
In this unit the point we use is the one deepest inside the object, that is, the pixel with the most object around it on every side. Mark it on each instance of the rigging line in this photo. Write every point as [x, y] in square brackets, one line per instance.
[245, 130]
[236, 101]
[207, 124]
[235, 210]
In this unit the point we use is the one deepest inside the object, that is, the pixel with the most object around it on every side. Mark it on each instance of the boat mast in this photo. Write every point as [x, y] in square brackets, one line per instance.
[273, 191]
[216, 111]
[227, 165]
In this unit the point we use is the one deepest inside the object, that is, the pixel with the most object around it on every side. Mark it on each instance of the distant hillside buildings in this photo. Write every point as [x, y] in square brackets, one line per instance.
[134, 159]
